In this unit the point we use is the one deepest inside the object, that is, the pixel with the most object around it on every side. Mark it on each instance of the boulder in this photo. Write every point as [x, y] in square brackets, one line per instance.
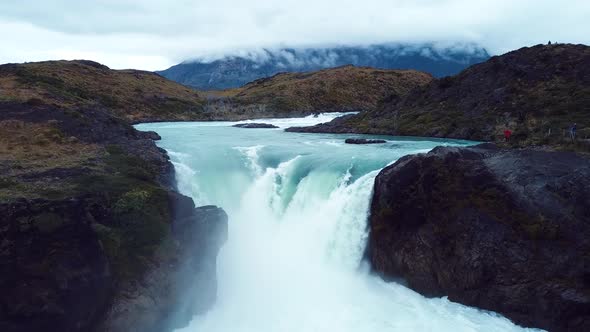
[502, 230]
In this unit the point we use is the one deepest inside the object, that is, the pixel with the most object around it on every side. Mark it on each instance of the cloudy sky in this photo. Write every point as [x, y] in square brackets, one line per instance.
[150, 34]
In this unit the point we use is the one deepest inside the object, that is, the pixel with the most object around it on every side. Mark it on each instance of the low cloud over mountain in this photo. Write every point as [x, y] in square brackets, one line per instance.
[155, 34]
[242, 67]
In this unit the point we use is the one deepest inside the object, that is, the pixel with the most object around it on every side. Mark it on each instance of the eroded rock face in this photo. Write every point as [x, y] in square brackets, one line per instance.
[507, 231]
[56, 267]
[181, 281]
[54, 273]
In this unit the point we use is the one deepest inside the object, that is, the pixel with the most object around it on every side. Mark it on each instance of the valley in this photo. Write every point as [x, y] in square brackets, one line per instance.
[136, 194]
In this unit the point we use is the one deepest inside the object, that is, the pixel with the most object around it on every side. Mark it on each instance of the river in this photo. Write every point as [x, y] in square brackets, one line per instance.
[298, 206]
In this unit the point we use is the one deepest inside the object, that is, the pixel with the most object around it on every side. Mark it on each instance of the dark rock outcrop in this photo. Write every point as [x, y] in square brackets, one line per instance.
[254, 125]
[54, 273]
[502, 230]
[56, 267]
[181, 282]
[364, 141]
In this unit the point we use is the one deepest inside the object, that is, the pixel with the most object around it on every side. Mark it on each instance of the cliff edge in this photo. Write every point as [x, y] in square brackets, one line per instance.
[501, 230]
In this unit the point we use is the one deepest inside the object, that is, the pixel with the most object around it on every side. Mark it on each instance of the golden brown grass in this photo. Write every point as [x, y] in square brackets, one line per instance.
[130, 94]
[28, 148]
[343, 88]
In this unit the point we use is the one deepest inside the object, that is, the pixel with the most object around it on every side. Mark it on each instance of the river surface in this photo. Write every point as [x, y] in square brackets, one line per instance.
[298, 206]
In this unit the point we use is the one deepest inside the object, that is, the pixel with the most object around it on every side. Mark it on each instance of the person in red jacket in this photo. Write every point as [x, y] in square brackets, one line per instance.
[507, 134]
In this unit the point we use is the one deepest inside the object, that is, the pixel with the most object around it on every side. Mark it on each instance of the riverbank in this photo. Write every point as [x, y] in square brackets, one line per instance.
[94, 234]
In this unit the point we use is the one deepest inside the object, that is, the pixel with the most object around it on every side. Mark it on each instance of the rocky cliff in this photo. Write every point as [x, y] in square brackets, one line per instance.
[537, 92]
[502, 230]
[93, 235]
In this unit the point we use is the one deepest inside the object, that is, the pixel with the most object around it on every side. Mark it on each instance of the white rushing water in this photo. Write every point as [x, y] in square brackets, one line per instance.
[298, 206]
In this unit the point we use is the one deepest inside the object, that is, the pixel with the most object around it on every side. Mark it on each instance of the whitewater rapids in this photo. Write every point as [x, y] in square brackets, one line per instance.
[298, 207]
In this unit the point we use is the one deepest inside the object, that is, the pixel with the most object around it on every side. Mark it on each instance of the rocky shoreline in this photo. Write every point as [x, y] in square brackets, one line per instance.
[502, 230]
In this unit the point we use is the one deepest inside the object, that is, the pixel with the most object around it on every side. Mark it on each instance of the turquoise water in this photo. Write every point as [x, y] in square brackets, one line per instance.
[298, 206]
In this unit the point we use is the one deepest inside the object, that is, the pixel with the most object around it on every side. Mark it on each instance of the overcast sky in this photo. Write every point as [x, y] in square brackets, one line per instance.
[150, 34]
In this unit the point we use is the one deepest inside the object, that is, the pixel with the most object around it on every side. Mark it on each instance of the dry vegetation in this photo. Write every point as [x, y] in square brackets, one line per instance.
[140, 96]
[536, 92]
[130, 94]
[34, 157]
[346, 88]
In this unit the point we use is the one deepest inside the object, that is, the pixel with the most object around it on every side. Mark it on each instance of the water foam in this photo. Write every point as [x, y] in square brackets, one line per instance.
[251, 154]
[186, 178]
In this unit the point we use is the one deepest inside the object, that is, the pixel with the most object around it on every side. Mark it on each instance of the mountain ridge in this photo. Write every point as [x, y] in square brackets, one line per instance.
[237, 70]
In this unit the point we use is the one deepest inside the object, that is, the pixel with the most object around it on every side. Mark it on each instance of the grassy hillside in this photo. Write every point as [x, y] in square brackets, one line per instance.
[139, 96]
[129, 94]
[536, 92]
[345, 88]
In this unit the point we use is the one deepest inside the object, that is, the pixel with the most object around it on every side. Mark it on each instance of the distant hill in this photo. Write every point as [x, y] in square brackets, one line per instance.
[139, 96]
[235, 71]
[341, 89]
[129, 94]
[537, 92]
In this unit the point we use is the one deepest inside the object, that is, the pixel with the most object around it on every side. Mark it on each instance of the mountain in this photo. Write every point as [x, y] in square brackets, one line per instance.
[339, 89]
[537, 92]
[235, 71]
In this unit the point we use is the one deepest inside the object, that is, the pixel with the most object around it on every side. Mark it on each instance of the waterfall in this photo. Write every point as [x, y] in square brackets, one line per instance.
[293, 261]
[298, 207]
